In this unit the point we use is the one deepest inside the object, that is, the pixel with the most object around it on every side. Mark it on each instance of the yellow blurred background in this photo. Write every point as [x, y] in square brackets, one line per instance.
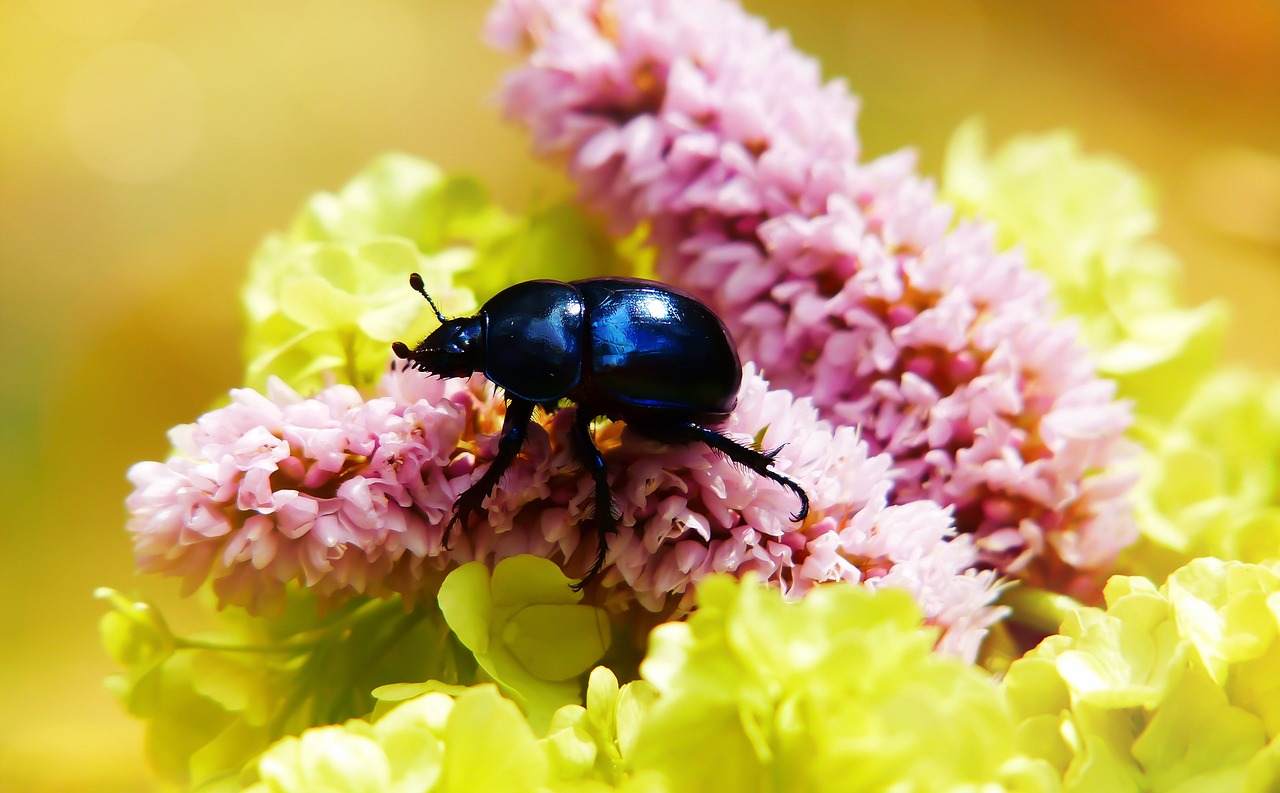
[147, 145]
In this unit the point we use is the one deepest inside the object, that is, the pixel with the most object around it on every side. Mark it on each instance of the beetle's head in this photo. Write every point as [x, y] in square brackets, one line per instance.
[455, 349]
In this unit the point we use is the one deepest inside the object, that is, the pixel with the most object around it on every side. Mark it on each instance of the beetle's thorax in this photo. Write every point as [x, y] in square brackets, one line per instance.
[455, 349]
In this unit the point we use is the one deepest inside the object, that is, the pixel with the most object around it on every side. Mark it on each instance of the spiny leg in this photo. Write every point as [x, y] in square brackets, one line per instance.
[606, 520]
[682, 432]
[515, 428]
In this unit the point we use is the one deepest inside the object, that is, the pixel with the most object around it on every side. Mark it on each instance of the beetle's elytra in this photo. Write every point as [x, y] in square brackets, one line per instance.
[624, 348]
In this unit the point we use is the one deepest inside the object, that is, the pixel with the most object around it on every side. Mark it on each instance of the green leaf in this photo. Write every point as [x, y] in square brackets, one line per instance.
[466, 601]
[526, 630]
[557, 642]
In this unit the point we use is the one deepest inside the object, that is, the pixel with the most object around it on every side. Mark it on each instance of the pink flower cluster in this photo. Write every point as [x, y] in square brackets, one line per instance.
[842, 280]
[349, 497]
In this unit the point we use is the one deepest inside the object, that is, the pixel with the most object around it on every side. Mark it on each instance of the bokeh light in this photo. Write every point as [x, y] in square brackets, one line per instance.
[147, 145]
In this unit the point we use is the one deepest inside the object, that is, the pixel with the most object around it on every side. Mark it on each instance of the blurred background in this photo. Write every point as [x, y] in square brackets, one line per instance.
[147, 145]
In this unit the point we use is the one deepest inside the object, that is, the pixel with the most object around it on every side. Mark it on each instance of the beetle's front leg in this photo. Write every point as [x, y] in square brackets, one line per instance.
[606, 520]
[515, 428]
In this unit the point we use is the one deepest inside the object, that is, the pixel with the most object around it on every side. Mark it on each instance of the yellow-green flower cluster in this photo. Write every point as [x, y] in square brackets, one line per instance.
[1169, 689]
[1211, 481]
[840, 691]
[1086, 223]
[326, 297]
[467, 740]
[477, 742]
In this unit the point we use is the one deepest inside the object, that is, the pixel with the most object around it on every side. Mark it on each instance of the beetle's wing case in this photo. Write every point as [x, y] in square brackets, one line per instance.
[533, 339]
[658, 349]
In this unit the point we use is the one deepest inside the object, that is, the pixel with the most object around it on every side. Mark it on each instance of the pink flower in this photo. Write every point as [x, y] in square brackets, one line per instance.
[842, 280]
[349, 498]
[277, 488]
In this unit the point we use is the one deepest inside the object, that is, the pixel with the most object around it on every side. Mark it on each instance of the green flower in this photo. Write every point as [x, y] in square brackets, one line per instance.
[526, 629]
[325, 298]
[1211, 484]
[596, 742]
[1086, 223]
[476, 743]
[466, 740]
[1169, 689]
[840, 691]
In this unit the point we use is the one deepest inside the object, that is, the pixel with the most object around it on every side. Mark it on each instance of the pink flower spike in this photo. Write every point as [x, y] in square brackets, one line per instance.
[373, 527]
[845, 281]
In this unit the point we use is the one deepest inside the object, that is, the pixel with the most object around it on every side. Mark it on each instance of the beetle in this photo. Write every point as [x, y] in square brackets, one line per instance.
[640, 351]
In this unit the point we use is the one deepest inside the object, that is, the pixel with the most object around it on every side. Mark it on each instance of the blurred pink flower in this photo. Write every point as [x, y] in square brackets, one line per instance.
[842, 280]
[349, 497]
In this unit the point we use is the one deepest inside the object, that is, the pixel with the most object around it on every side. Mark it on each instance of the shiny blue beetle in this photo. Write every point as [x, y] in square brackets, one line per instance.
[640, 351]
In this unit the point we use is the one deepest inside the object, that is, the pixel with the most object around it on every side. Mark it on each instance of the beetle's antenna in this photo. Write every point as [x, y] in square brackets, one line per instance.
[415, 281]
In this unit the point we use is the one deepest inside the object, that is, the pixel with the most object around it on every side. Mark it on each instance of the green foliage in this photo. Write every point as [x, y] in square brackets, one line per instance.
[1168, 689]
[213, 702]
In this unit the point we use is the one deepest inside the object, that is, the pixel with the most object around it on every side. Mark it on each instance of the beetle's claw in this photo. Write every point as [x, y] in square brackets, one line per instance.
[804, 503]
[596, 566]
[463, 511]
[448, 528]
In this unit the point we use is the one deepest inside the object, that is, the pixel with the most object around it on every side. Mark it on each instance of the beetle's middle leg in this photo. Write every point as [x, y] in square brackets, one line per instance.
[684, 432]
[515, 428]
[606, 520]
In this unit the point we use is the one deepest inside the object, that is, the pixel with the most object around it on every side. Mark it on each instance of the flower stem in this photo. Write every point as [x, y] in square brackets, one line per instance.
[1037, 608]
[299, 641]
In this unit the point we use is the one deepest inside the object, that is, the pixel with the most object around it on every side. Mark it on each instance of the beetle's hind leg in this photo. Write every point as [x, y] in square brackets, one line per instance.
[515, 428]
[684, 432]
[606, 518]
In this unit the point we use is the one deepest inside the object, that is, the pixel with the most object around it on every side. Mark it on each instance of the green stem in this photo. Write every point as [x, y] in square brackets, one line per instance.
[180, 643]
[1038, 608]
[300, 641]
[349, 349]
[373, 656]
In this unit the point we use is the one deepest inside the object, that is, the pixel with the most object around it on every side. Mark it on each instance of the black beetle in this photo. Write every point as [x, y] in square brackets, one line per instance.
[624, 348]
